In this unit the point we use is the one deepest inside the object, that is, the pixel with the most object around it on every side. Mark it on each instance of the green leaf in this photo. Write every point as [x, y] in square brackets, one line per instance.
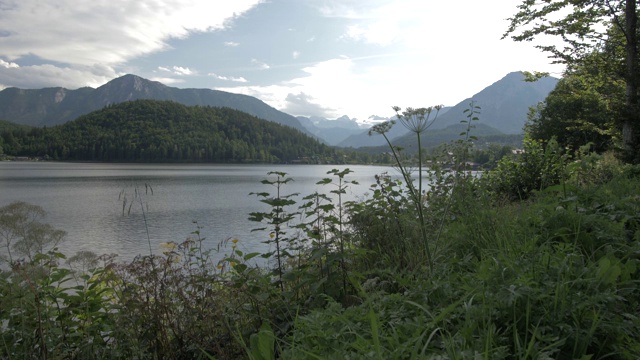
[251, 256]
[240, 267]
[262, 343]
[608, 272]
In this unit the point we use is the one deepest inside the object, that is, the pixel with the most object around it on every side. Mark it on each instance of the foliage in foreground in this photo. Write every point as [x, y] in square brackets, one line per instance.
[476, 275]
[553, 280]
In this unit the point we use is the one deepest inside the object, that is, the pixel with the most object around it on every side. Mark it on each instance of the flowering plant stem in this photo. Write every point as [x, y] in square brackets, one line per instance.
[416, 121]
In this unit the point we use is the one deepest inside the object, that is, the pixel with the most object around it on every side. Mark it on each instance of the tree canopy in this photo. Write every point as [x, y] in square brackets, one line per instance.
[581, 109]
[588, 28]
[161, 131]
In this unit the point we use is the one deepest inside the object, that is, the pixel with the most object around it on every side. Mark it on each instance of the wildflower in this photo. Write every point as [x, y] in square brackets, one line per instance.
[169, 245]
[235, 241]
[381, 128]
[417, 120]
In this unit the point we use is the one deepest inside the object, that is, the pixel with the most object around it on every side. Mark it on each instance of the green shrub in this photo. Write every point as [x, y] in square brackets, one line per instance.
[537, 167]
[556, 278]
[552, 277]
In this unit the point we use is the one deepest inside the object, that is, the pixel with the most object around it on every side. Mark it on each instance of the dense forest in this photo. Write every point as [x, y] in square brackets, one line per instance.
[9, 126]
[164, 131]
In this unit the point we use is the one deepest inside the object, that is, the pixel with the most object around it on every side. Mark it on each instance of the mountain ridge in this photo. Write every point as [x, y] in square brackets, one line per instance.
[331, 132]
[58, 105]
[503, 106]
[145, 130]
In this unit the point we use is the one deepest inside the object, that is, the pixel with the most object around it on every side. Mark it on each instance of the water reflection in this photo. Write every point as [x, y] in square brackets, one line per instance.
[83, 199]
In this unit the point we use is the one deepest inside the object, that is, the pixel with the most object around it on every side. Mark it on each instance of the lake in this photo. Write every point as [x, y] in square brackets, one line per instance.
[85, 200]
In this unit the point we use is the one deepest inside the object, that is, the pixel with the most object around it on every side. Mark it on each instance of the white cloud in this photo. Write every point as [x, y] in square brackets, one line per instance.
[167, 80]
[417, 24]
[423, 53]
[8, 65]
[273, 95]
[440, 56]
[381, 33]
[84, 33]
[328, 82]
[89, 32]
[179, 70]
[228, 78]
[260, 64]
[354, 32]
[305, 105]
[351, 86]
[350, 9]
[39, 76]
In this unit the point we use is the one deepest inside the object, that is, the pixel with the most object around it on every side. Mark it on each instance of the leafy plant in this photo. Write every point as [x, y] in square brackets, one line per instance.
[336, 222]
[277, 218]
[416, 121]
[535, 169]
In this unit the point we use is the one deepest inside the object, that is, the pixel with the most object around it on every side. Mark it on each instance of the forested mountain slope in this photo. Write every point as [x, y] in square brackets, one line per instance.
[53, 106]
[158, 131]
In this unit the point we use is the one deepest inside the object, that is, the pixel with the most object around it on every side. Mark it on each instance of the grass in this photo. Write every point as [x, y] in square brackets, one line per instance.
[550, 277]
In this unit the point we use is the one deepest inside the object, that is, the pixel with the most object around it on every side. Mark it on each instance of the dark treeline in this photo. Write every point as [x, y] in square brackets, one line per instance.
[164, 131]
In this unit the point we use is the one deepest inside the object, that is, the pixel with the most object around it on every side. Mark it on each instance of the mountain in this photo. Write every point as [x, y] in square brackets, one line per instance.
[362, 139]
[504, 106]
[166, 131]
[435, 137]
[9, 126]
[331, 132]
[53, 106]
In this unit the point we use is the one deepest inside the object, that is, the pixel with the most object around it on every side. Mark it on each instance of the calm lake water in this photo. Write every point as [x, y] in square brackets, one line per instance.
[85, 200]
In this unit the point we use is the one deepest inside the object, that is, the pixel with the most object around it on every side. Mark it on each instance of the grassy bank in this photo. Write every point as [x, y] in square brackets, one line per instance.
[537, 259]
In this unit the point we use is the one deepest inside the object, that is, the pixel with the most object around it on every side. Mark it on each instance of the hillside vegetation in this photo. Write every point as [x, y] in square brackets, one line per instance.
[164, 131]
[55, 106]
[9, 126]
[537, 259]
[553, 277]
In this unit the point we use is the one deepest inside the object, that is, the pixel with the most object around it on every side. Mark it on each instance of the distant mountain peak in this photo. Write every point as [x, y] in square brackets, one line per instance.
[503, 106]
[133, 78]
[133, 83]
[55, 106]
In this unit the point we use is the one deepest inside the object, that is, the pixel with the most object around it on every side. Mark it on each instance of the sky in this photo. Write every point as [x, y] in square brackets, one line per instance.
[324, 58]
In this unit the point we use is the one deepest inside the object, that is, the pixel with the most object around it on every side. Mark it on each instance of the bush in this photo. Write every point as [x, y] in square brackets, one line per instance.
[553, 277]
[536, 168]
[556, 278]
